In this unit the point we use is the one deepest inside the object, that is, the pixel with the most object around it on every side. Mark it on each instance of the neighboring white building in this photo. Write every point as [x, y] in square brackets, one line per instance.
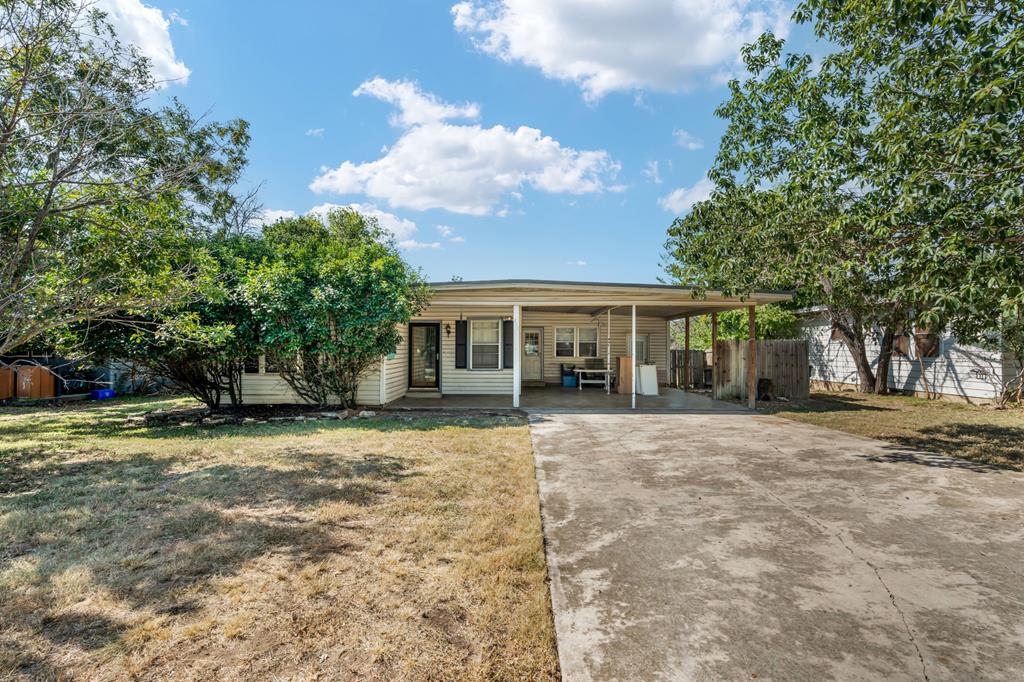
[951, 369]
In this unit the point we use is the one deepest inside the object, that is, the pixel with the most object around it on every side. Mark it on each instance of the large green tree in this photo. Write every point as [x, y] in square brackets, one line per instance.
[102, 195]
[200, 346]
[330, 300]
[882, 181]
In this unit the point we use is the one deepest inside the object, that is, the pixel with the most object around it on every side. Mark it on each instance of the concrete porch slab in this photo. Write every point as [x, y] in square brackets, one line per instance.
[554, 399]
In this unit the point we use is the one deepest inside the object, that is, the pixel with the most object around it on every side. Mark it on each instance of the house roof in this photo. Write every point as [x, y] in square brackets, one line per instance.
[503, 283]
[658, 300]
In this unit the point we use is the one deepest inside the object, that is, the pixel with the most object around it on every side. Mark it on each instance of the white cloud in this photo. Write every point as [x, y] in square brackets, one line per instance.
[449, 234]
[687, 141]
[652, 172]
[146, 28]
[415, 106]
[271, 215]
[462, 168]
[621, 45]
[682, 199]
[413, 244]
[177, 19]
[315, 132]
[577, 263]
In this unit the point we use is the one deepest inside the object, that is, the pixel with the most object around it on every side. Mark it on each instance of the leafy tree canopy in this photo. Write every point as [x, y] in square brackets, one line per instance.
[102, 196]
[882, 182]
[200, 346]
[329, 301]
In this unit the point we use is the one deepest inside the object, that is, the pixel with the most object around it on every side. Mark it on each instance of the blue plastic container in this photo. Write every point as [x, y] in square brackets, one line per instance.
[568, 381]
[103, 394]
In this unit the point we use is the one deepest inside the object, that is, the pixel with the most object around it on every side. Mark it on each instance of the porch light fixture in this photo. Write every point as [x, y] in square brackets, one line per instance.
[447, 328]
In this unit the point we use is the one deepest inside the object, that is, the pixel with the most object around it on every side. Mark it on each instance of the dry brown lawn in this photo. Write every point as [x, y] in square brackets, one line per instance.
[372, 549]
[976, 432]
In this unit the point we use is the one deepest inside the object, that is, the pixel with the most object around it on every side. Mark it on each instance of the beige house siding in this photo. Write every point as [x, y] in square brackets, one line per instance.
[266, 389]
[466, 381]
[271, 389]
[485, 382]
[396, 369]
[654, 327]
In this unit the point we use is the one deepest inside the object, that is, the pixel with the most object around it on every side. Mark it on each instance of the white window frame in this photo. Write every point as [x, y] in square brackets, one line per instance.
[597, 341]
[576, 341]
[631, 346]
[574, 335]
[469, 344]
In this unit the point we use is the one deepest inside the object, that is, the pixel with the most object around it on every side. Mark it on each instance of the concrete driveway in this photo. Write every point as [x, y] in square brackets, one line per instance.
[742, 546]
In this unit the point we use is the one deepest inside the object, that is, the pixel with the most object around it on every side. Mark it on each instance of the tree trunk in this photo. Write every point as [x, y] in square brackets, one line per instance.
[858, 351]
[233, 371]
[851, 331]
[884, 361]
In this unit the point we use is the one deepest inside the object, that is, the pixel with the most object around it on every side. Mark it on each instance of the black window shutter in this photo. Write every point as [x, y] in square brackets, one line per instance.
[460, 344]
[507, 337]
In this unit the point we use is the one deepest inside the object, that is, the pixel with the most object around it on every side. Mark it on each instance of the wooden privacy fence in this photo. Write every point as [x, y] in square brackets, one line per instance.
[784, 362]
[677, 366]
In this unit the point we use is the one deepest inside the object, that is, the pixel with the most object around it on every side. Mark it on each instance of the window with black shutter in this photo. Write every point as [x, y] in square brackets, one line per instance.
[461, 329]
[507, 338]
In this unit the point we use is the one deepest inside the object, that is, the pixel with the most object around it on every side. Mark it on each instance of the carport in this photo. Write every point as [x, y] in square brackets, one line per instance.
[614, 308]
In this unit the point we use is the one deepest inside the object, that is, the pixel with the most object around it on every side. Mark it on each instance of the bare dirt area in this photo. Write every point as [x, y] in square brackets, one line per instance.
[388, 547]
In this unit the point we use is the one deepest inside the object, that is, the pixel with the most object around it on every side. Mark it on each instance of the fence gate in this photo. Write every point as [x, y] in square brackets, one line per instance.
[784, 362]
[677, 367]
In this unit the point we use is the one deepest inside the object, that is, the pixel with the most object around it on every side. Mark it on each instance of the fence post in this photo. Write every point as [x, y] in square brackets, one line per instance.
[752, 357]
[714, 354]
[686, 353]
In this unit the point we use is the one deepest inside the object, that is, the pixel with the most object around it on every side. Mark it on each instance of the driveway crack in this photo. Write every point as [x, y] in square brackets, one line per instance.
[825, 529]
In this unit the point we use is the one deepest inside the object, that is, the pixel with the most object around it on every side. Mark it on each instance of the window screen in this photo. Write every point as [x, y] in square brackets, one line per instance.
[588, 342]
[565, 342]
[485, 344]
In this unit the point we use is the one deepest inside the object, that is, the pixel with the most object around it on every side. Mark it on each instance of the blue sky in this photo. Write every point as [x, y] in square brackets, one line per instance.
[523, 138]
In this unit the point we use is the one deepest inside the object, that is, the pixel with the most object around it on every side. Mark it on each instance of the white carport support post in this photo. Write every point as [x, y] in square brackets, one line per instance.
[608, 354]
[632, 359]
[517, 354]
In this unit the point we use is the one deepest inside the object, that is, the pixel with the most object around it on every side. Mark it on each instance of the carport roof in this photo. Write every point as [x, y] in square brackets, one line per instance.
[658, 300]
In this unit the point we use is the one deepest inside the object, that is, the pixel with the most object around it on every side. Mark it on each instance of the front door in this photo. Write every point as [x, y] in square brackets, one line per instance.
[533, 354]
[424, 355]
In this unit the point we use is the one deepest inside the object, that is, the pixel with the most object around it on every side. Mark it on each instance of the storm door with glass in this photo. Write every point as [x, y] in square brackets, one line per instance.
[424, 355]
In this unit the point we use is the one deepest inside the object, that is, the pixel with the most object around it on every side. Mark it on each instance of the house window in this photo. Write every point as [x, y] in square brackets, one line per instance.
[587, 343]
[565, 342]
[485, 344]
[926, 344]
[576, 342]
[251, 365]
[640, 348]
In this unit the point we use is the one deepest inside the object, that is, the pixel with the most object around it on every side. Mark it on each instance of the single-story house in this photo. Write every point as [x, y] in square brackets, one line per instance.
[494, 337]
[950, 368]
